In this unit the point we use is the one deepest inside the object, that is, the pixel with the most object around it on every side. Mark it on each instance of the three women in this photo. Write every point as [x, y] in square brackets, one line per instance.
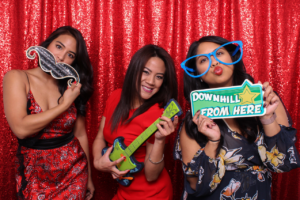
[229, 158]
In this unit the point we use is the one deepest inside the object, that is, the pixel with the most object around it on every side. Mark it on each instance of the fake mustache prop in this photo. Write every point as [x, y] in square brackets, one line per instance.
[48, 63]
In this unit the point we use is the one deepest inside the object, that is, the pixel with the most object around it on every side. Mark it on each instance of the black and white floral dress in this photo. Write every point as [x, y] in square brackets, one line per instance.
[242, 169]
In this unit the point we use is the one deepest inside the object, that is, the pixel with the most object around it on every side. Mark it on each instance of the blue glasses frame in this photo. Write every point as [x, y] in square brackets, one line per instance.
[187, 69]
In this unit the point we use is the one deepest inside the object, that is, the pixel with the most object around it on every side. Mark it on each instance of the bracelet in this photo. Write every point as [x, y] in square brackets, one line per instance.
[215, 140]
[158, 161]
[268, 121]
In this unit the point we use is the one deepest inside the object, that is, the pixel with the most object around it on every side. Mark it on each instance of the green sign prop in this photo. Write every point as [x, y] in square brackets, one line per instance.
[229, 102]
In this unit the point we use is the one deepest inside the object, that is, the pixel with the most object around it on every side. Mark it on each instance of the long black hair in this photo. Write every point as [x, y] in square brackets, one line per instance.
[132, 82]
[81, 63]
[248, 125]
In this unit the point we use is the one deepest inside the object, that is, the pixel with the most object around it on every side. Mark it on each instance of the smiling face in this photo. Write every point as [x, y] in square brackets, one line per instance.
[63, 48]
[152, 77]
[219, 75]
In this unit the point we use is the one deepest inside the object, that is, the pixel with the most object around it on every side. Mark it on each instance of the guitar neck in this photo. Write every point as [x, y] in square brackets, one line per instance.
[171, 110]
[141, 138]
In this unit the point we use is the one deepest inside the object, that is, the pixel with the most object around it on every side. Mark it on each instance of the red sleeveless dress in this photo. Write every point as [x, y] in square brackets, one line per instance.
[58, 173]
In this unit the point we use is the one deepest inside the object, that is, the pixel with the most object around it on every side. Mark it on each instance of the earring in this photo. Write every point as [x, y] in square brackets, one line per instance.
[201, 80]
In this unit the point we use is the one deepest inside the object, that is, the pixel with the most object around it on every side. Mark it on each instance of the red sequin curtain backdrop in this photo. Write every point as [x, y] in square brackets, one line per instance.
[114, 30]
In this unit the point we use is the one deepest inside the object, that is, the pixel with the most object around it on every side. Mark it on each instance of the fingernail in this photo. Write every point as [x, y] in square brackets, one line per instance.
[214, 124]
[265, 98]
[198, 111]
[176, 116]
[264, 105]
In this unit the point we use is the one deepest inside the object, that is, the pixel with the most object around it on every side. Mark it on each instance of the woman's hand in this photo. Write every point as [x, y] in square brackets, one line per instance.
[165, 127]
[154, 160]
[90, 190]
[104, 164]
[70, 94]
[207, 126]
[271, 100]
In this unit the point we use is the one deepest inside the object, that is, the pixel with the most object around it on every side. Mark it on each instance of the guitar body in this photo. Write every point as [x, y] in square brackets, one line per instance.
[120, 149]
[131, 163]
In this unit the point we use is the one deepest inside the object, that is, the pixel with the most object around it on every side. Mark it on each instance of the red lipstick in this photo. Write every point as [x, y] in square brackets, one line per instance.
[218, 70]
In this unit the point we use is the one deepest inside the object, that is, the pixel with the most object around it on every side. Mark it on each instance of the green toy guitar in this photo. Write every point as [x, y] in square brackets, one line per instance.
[120, 149]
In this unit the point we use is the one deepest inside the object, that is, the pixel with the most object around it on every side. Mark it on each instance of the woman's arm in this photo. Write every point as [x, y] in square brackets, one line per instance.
[99, 144]
[15, 102]
[279, 138]
[211, 130]
[273, 105]
[80, 134]
[102, 162]
[155, 152]
[189, 147]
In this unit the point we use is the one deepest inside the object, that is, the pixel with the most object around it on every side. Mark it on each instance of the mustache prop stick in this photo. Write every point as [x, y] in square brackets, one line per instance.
[48, 63]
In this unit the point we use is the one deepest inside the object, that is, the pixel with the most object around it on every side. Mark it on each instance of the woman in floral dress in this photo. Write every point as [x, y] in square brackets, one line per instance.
[231, 158]
[52, 160]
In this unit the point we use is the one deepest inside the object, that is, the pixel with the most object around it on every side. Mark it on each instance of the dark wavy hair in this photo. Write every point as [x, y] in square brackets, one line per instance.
[132, 82]
[248, 125]
[81, 63]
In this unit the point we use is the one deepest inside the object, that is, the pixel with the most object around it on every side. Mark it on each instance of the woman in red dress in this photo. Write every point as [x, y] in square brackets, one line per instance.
[150, 82]
[45, 116]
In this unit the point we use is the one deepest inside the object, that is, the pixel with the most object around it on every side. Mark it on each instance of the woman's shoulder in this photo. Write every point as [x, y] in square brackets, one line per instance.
[19, 79]
[112, 101]
[114, 96]
[15, 84]
[15, 76]
[19, 74]
[116, 93]
[15, 73]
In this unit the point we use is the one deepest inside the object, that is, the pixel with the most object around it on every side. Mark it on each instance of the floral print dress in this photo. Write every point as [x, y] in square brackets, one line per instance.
[242, 171]
[58, 173]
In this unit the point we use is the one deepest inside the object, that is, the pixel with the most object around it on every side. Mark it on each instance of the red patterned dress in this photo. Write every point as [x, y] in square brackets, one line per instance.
[56, 173]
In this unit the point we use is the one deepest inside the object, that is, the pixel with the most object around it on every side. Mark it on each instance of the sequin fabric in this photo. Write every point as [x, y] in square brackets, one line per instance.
[115, 29]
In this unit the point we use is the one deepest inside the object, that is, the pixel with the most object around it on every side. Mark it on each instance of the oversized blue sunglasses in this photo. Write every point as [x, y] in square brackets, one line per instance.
[239, 45]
